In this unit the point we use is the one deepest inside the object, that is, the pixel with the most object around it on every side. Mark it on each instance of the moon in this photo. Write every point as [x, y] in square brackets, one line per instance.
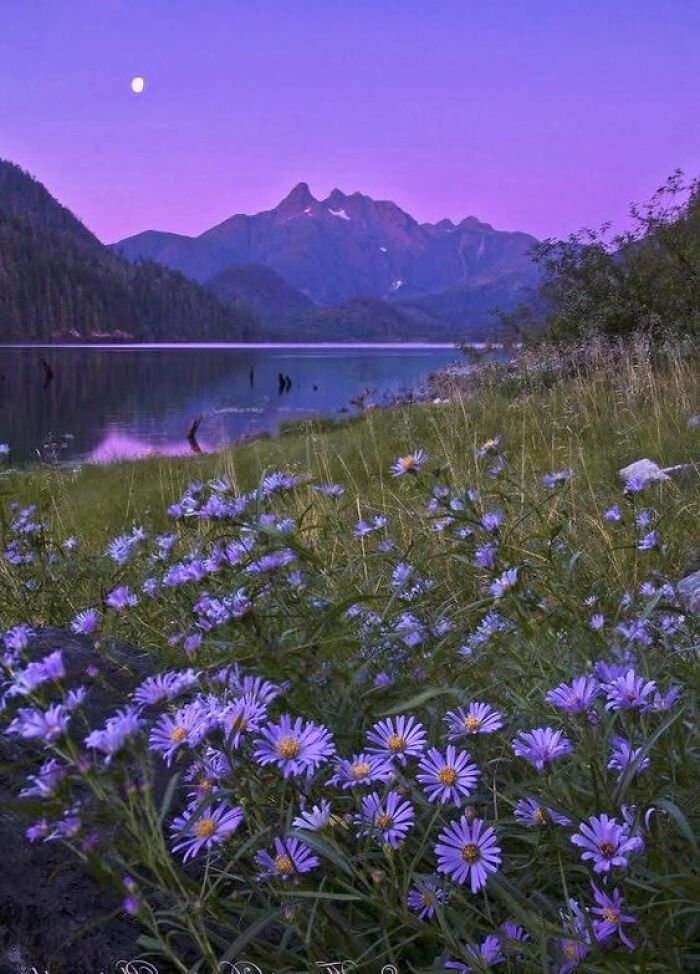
[137, 85]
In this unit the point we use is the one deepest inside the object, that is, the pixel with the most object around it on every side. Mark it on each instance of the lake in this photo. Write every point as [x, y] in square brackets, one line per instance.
[106, 402]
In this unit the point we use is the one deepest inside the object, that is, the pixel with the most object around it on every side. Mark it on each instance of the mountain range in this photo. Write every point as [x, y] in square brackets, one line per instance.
[348, 252]
[344, 268]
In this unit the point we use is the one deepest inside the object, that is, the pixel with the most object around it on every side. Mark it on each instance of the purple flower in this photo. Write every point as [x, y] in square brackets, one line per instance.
[397, 737]
[411, 463]
[203, 829]
[330, 490]
[490, 446]
[115, 733]
[186, 728]
[362, 769]
[468, 851]
[243, 716]
[491, 521]
[577, 698]
[46, 725]
[278, 481]
[629, 692]
[485, 556]
[480, 957]
[318, 818]
[606, 843]
[649, 541]
[86, 622]
[121, 598]
[533, 814]
[297, 748]
[424, 897]
[541, 746]
[387, 819]
[447, 778]
[164, 686]
[513, 932]
[291, 858]
[597, 621]
[504, 583]
[478, 718]
[609, 909]
[44, 783]
[410, 629]
[49, 668]
[18, 638]
[557, 477]
[664, 701]
[623, 756]
[613, 515]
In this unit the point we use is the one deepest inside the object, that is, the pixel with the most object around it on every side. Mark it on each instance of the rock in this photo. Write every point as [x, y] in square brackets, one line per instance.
[53, 914]
[644, 470]
[694, 422]
[689, 592]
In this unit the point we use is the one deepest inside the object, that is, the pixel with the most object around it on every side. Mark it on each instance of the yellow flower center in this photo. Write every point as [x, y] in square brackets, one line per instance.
[178, 735]
[408, 463]
[540, 816]
[205, 828]
[359, 770]
[607, 849]
[396, 743]
[205, 784]
[609, 915]
[426, 899]
[571, 950]
[288, 747]
[472, 724]
[239, 723]
[383, 820]
[470, 853]
[447, 776]
[283, 865]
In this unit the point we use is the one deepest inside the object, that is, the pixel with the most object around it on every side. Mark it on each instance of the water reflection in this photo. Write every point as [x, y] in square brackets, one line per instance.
[106, 403]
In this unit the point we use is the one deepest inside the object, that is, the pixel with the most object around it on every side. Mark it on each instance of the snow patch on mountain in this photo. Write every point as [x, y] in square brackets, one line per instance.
[341, 214]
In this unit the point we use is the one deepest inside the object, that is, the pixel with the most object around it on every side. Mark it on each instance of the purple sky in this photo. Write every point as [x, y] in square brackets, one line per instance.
[539, 115]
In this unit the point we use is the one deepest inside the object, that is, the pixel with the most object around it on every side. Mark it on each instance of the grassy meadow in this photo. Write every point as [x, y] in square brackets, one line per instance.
[439, 716]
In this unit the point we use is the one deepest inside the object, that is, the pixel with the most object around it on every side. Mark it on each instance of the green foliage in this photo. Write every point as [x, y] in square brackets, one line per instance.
[58, 281]
[645, 279]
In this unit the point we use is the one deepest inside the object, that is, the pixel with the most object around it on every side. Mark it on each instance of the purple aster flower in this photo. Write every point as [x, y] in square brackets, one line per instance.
[541, 746]
[635, 485]
[468, 851]
[485, 556]
[573, 953]
[504, 583]
[613, 515]
[85, 622]
[46, 781]
[164, 686]
[186, 728]
[277, 482]
[557, 477]
[411, 463]
[271, 562]
[382, 680]
[649, 541]
[319, 817]
[671, 624]
[291, 858]
[362, 769]
[491, 521]
[530, 812]
[424, 898]
[489, 447]
[121, 598]
[330, 490]
[449, 777]
[636, 631]
[515, 933]
[39, 830]
[623, 757]
[115, 733]
[387, 819]
[606, 843]
[50, 668]
[46, 725]
[410, 629]
[203, 829]
[629, 692]
[609, 910]
[478, 718]
[297, 748]
[243, 716]
[642, 519]
[577, 698]
[480, 957]
[664, 701]
[397, 737]
[597, 621]
[18, 638]
[254, 688]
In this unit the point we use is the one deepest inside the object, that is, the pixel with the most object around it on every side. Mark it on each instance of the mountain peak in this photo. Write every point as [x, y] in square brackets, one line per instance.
[299, 198]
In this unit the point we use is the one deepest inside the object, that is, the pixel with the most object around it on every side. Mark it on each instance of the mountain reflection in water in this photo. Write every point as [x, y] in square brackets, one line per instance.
[105, 403]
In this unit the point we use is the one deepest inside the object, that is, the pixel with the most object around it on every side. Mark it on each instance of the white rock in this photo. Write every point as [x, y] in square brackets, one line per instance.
[645, 470]
[689, 592]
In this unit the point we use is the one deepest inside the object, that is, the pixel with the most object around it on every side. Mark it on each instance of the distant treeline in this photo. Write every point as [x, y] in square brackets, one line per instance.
[58, 280]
